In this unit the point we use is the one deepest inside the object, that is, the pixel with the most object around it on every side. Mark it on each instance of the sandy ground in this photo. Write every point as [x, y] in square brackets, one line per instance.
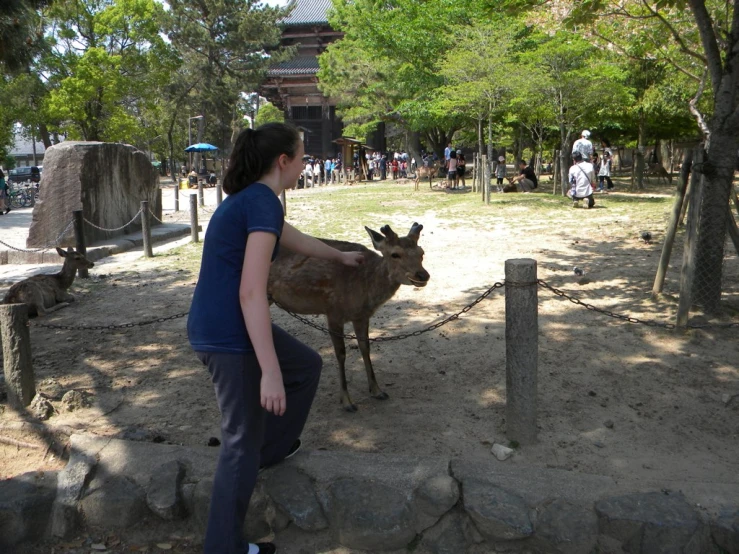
[618, 399]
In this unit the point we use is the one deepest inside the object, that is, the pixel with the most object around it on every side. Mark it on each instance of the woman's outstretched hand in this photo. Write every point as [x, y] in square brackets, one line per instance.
[273, 393]
[352, 259]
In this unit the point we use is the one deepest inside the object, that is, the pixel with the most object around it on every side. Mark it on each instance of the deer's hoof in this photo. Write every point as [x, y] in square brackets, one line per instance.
[381, 396]
[351, 408]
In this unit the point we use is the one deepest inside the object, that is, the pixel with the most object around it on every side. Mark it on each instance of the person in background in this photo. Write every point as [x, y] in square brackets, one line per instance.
[264, 379]
[4, 200]
[604, 173]
[584, 146]
[526, 179]
[500, 172]
[461, 167]
[451, 168]
[582, 178]
[327, 170]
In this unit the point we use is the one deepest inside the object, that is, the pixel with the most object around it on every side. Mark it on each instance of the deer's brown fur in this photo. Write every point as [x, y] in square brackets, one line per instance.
[46, 293]
[349, 294]
[658, 170]
[427, 171]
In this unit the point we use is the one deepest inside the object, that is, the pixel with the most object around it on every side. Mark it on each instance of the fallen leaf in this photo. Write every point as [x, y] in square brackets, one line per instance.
[164, 546]
[98, 546]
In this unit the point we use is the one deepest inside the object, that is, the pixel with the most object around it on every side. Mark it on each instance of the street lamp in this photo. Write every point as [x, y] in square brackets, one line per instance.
[189, 134]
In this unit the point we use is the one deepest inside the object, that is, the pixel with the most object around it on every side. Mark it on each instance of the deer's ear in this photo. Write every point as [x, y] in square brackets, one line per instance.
[61, 252]
[415, 231]
[377, 238]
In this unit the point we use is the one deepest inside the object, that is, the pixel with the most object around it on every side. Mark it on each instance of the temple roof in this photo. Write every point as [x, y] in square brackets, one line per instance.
[304, 65]
[308, 12]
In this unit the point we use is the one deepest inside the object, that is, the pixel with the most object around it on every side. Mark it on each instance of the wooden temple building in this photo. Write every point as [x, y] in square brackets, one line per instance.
[293, 85]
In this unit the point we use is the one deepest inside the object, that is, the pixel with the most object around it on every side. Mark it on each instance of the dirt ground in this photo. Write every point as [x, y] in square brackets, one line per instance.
[617, 399]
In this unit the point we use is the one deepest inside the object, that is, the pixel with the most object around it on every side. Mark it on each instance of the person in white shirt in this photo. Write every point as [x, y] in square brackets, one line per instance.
[584, 146]
[582, 177]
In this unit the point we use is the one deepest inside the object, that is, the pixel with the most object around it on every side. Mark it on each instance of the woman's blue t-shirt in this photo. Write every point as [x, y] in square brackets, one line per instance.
[216, 323]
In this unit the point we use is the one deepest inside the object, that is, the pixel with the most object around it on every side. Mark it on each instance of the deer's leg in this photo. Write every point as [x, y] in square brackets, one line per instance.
[361, 328]
[337, 330]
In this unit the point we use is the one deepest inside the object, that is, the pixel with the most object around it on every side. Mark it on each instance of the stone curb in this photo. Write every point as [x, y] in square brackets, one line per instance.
[159, 233]
[374, 502]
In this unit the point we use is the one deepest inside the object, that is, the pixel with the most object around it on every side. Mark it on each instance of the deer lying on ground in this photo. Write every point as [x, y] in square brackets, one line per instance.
[47, 293]
[312, 286]
[429, 171]
[658, 170]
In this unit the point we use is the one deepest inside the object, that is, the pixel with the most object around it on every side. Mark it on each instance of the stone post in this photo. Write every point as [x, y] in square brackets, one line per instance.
[201, 197]
[79, 239]
[17, 366]
[177, 196]
[194, 218]
[522, 349]
[146, 229]
[219, 194]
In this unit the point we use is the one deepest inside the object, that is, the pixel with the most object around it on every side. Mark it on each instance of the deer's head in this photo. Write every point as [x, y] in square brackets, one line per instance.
[75, 259]
[403, 255]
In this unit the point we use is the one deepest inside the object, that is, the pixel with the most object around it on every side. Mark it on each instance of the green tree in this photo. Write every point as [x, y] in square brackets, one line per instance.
[269, 113]
[19, 32]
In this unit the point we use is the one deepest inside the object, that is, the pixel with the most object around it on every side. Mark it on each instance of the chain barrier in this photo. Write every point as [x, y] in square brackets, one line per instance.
[91, 224]
[402, 336]
[106, 327]
[43, 249]
[628, 318]
[543, 284]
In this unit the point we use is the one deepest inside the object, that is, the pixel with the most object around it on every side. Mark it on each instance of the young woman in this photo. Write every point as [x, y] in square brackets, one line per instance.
[452, 170]
[264, 379]
[461, 167]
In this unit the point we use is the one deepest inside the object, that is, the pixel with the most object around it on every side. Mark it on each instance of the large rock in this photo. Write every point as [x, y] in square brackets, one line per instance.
[651, 523]
[725, 531]
[107, 181]
[114, 503]
[370, 516]
[293, 492]
[25, 505]
[71, 483]
[164, 494]
[566, 528]
[498, 514]
[433, 498]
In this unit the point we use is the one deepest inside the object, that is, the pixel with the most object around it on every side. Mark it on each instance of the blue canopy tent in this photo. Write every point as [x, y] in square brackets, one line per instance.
[201, 147]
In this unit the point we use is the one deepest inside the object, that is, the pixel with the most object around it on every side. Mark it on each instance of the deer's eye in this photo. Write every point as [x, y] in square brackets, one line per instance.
[395, 255]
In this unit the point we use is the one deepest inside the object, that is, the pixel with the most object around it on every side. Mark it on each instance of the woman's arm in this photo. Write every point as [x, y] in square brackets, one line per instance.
[314, 248]
[255, 308]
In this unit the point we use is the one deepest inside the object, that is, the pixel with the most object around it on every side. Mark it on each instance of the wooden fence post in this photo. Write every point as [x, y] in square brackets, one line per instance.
[522, 349]
[687, 273]
[79, 239]
[146, 229]
[17, 365]
[194, 218]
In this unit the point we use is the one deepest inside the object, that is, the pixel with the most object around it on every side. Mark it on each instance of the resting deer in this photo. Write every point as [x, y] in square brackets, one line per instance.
[658, 170]
[312, 286]
[427, 171]
[47, 293]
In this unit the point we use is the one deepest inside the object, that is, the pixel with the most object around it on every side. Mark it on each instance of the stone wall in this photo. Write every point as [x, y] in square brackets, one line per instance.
[373, 502]
[107, 181]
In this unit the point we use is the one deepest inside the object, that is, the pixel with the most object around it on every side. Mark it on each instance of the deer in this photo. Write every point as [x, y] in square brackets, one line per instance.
[47, 293]
[349, 294]
[426, 171]
[658, 170]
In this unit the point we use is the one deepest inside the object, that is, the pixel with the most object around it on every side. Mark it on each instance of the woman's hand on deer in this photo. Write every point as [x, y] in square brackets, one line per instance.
[352, 259]
[273, 392]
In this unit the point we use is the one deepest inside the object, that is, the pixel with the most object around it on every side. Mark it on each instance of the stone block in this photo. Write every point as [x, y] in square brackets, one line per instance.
[107, 181]
[499, 515]
[650, 523]
[433, 498]
[25, 506]
[114, 503]
[201, 503]
[725, 530]
[164, 493]
[370, 516]
[293, 492]
[447, 536]
[566, 528]
[71, 482]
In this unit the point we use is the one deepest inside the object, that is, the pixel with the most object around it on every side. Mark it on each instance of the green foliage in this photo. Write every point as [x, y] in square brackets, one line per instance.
[269, 113]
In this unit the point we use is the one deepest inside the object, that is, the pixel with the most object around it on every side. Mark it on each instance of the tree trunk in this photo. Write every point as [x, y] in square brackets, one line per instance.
[43, 131]
[719, 173]
[564, 158]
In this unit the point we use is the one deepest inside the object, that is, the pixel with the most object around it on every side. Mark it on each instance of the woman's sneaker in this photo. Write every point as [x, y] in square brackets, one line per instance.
[264, 548]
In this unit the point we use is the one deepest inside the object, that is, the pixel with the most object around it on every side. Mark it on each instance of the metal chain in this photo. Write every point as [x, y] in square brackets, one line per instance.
[628, 318]
[35, 323]
[43, 249]
[91, 224]
[402, 336]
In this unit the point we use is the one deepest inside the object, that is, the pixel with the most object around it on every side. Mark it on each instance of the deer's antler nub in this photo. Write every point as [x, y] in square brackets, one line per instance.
[388, 232]
[415, 231]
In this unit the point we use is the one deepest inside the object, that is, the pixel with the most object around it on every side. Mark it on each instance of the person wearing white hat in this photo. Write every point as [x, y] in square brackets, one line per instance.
[584, 146]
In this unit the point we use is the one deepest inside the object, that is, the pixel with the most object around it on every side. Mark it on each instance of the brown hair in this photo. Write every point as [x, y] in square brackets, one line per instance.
[255, 151]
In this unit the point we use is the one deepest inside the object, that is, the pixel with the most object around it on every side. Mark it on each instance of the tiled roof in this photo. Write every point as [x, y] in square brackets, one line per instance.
[306, 65]
[308, 12]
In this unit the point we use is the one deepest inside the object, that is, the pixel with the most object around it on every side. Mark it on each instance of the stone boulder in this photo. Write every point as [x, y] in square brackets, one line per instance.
[25, 506]
[107, 181]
